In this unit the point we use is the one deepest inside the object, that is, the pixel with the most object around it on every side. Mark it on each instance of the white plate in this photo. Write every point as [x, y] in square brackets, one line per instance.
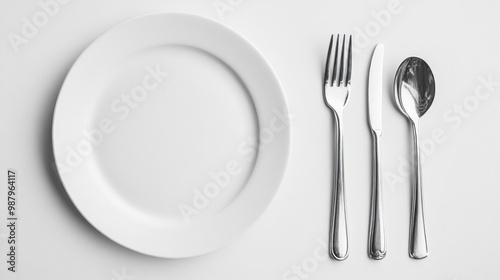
[154, 134]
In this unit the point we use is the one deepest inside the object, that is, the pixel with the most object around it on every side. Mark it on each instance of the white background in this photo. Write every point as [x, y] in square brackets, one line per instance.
[460, 42]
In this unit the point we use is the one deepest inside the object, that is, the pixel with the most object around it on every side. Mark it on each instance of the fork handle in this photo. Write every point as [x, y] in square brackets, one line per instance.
[339, 248]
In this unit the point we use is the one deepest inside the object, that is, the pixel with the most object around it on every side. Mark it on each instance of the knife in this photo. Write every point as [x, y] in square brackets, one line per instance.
[376, 237]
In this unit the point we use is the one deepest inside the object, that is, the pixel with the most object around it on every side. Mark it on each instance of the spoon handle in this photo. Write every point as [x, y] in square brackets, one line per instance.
[418, 239]
[376, 237]
[338, 246]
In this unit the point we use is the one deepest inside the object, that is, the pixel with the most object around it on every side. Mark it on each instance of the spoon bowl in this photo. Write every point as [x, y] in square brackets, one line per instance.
[414, 87]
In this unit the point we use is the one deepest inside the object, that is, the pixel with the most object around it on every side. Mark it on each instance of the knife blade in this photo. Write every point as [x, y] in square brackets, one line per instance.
[375, 89]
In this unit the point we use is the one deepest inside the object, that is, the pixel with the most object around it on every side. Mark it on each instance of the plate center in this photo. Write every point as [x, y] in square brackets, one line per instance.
[182, 141]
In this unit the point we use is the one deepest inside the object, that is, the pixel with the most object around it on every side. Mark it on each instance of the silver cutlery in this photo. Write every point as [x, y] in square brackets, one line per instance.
[414, 88]
[337, 83]
[376, 236]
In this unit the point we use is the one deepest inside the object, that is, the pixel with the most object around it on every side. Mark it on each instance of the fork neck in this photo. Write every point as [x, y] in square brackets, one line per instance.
[337, 116]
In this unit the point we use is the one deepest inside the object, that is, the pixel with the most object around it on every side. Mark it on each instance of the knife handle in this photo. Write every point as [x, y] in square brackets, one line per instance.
[339, 248]
[376, 236]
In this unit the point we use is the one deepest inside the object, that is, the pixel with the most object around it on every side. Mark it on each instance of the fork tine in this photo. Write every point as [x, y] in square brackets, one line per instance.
[342, 64]
[349, 62]
[328, 75]
[335, 60]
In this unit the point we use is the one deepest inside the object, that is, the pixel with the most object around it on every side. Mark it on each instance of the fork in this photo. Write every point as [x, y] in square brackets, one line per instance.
[337, 83]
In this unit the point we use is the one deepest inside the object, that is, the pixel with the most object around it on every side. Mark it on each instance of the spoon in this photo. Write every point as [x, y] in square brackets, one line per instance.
[414, 89]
